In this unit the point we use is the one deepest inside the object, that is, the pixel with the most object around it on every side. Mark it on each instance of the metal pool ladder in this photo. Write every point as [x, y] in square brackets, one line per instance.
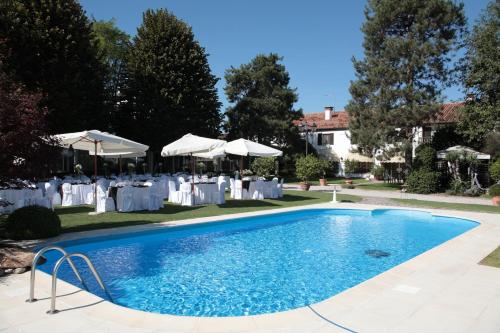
[66, 257]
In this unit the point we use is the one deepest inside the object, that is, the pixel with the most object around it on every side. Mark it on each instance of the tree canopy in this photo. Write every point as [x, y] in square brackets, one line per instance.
[481, 114]
[262, 102]
[170, 89]
[48, 48]
[113, 46]
[407, 45]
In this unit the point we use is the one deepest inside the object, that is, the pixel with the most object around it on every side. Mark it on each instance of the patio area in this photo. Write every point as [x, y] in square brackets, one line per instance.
[441, 290]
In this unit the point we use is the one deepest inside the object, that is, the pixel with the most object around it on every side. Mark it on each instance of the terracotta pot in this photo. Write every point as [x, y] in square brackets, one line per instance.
[305, 186]
[348, 181]
[496, 201]
[322, 181]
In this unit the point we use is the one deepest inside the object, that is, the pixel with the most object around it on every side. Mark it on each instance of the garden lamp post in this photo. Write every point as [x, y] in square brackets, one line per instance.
[306, 128]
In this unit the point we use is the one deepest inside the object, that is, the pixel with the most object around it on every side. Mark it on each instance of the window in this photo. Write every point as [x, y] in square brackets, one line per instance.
[325, 139]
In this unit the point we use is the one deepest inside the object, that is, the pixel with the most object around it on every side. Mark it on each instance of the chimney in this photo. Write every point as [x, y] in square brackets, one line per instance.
[328, 112]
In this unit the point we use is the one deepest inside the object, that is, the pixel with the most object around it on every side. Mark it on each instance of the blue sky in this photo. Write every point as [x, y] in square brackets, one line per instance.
[317, 38]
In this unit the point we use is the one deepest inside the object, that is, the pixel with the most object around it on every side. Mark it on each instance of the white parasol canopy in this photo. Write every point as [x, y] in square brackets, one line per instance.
[480, 156]
[126, 154]
[359, 158]
[245, 147]
[215, 153]
[191, 144]
[99, 143]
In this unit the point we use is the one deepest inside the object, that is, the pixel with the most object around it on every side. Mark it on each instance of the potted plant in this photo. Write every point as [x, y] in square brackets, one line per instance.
[131, 168]
[306, 167]
[324, 166]
[78, 169]
[246, 173]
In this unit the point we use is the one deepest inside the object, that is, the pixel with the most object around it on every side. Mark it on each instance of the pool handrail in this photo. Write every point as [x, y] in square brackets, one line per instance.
[54, 278]
[38, 255]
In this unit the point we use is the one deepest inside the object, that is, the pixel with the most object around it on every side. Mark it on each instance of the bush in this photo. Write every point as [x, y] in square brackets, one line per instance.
[494, 190]
[425, 158]
[458, 187]
[264, 166]
[32, 222]
[324, 167]
[307, 167]
[378, 172]
[495, 170]
[423, 181]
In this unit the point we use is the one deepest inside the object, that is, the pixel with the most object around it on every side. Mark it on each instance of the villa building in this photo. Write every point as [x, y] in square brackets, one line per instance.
[331, 136]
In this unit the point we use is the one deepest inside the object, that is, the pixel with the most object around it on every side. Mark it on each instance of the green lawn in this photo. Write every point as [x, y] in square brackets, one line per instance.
[329, 181]
[77, 218]
[379, 186]
[493, 259]
[448, 205]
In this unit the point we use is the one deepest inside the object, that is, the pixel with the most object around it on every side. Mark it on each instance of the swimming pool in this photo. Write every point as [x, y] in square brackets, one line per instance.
[256, 265]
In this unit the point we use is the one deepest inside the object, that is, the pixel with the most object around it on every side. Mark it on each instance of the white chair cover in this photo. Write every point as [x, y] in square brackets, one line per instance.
[104, 203]
[274, 188]
[232, 187]
[186, 195]
[67, 199]
[56, 199]
[238, 189]
[258, 193]
[173, 195]
[220, 199]
[280, 188]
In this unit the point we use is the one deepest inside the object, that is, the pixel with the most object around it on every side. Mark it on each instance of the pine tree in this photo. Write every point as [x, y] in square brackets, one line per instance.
[407, 45]
[262, 101]
[481, 114]
[170, 89]
[49, 49]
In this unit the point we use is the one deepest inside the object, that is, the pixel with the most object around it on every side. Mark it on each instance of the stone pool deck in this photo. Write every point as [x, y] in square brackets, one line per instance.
[441, 290]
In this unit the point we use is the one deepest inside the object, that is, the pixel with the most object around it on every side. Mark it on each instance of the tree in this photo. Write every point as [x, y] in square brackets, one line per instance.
[407, 48]
[481, 114]
[262, 101]
[27, 150]
[50, 50]
[113, 46]
[170, 90]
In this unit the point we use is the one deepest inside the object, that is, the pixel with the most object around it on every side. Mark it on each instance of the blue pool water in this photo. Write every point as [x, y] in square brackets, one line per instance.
[256, 265]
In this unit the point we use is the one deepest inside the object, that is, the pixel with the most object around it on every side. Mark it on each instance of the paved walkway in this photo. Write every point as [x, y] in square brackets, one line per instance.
[398, 195]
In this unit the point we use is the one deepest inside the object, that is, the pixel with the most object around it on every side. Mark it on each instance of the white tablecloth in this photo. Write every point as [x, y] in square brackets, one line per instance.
[21, 198]
[138, 198]
[205, 193]
[82, 194]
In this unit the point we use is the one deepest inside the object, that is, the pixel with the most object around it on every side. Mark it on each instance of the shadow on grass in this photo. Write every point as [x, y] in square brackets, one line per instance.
[294, 198]
[246, 203]
[74, 210]
[105, 225]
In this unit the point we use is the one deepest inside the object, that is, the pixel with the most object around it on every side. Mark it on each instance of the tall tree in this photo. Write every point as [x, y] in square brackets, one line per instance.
[407, 45]
[262, 101]
[113, 46]
[27, 150]
[50, 50]
[481, 114]
[170, 89]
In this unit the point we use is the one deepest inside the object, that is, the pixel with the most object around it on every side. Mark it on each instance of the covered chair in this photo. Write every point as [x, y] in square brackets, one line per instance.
[67, 198]
[173, 194]
[125, 199]
[185, 194]
[104, 203]
[220, 195]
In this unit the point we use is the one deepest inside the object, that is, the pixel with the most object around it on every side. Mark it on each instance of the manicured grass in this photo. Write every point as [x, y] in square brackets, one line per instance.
[493, 259]
[77, 218]
[328, 180]
[449, 205]
[379, 186]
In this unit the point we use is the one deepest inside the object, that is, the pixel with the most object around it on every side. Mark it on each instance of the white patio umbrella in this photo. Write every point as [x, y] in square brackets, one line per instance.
[192, 145]
[99, 143]
[244, 147]
[215, 153]
[121, 155]
[480, 156]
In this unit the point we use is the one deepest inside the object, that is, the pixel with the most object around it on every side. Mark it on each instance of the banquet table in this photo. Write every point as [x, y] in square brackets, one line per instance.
[250, 185]
[13, 196]
[205, 193]
[83, 194]
[139, 193]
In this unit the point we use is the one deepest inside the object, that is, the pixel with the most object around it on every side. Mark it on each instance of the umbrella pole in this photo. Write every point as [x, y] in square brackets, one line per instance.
[192, 179]
[120, 163]
[95, 175]
[241, 165]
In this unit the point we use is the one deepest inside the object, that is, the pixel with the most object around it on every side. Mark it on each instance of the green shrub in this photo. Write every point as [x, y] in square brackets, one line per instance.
[324, 167]
[32, 222]
[307, 167]
[425, 158]
[423, 181]
[495, 170]
[264, 166]
[458, 187]
[494, 190]
[378, 172]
